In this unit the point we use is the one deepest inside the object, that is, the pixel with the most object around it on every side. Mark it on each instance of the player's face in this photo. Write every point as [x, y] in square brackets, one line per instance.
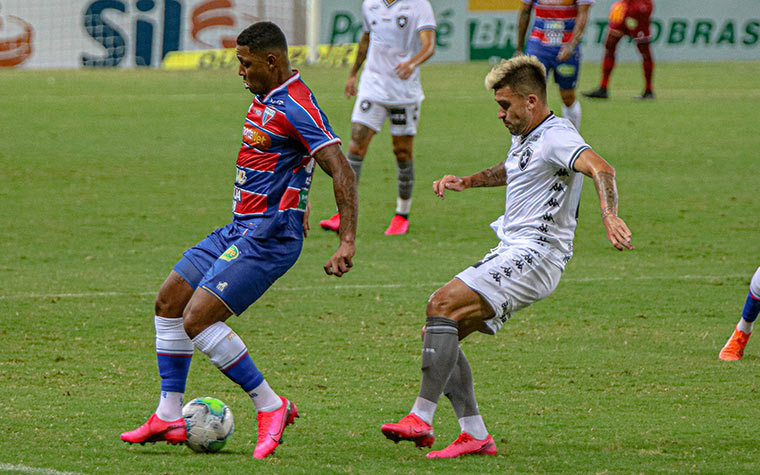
[514, 110]
[255, 69]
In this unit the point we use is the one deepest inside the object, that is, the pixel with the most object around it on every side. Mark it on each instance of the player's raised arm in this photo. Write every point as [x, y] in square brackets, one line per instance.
[335, 164]
[494, 176]
[592, 165]
[361, 55]
[427, 40]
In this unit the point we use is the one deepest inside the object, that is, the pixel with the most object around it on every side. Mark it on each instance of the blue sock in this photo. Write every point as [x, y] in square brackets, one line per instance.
[174, 352]
[228, 352]
[751, 308]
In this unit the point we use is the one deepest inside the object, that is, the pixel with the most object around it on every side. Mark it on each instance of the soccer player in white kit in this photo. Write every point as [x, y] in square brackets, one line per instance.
[543, 174]
[399, 35]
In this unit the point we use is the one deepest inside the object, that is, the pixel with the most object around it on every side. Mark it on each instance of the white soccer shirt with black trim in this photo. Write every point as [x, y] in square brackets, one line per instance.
[543, 188]
[394, 31]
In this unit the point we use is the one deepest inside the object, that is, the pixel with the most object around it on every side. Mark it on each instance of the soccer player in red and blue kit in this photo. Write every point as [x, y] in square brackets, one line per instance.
[284, 133]
[628, 18]
[554, 40]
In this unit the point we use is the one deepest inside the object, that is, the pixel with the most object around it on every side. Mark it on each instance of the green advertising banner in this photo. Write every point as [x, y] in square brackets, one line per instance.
[684, 30]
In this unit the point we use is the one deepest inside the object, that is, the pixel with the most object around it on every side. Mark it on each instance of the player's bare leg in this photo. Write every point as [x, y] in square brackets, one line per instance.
[402, 149]
[204, 320]
[453, 312]
[571, 108]
[361, 136]
[174, 351]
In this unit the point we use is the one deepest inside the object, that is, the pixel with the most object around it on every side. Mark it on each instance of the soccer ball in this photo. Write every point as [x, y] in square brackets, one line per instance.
[209, 424]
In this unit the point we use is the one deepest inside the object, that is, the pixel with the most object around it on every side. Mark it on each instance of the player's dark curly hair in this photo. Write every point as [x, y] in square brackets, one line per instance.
[263, 36]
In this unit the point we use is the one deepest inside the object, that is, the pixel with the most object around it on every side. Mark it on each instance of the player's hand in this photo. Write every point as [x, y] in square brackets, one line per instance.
[341, 262]
[351, 87]
[449, 182]
[618, 233]
[565, 52]
[306, 214]
[405, 70]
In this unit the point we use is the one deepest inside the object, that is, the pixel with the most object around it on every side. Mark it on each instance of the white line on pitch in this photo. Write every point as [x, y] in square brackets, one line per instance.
[432, 285]
[24, 469]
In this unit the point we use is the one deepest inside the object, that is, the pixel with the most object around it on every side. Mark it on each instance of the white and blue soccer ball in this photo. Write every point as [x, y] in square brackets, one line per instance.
[209, 424]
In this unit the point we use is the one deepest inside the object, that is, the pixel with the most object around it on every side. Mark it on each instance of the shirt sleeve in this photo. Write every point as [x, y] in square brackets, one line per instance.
[310, 124]
[426, 17]
[565, 147]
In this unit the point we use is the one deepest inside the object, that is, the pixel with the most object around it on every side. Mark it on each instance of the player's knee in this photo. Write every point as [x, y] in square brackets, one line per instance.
[192, 323]
[356, 148]
[442, 304]
[402, 153]
[168, 305]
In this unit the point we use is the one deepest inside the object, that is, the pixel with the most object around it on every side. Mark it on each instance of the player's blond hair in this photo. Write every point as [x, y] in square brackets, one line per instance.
[525, 75]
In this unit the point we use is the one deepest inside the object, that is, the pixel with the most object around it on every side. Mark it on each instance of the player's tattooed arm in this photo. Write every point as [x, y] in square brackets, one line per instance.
[335, 164]
[597, 168]
[522, 27]
[494, 176]
[606, 187]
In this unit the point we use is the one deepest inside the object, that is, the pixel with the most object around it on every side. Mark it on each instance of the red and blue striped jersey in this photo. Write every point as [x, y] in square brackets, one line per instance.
[281, 133]
[555, 20]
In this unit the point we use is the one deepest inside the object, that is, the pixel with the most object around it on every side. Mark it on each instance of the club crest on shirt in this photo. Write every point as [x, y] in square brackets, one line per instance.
[230, 254]
[524, 158]
[365, 105]
[268, 115]
[402, 21]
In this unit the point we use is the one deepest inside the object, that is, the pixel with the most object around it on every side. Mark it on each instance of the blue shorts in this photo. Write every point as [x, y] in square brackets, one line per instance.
[235, 267]
[565, 73]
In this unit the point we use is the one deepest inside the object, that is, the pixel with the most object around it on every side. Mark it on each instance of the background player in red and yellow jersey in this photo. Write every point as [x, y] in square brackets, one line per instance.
[628, 18]
[554, 40]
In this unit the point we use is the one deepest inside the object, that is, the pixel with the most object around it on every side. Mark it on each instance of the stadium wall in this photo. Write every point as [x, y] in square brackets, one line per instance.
[129, 33]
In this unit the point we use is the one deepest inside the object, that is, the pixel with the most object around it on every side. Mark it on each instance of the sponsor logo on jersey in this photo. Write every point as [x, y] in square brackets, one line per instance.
[230, 254]
[268, 115]
[256, 138]
[241, 177]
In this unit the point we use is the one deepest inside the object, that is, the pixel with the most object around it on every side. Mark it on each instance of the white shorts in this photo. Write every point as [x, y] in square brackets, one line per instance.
[404, 117]
[511, 278]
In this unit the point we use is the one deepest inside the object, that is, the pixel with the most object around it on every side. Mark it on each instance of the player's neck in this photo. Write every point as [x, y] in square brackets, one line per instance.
[538, 119]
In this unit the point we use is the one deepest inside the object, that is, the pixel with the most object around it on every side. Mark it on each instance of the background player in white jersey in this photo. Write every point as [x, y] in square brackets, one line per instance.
[543, 173]
[734, 347]
[399, 35]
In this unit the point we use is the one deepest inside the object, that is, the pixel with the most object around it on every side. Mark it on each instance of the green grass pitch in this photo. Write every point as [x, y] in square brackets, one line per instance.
[107, 176]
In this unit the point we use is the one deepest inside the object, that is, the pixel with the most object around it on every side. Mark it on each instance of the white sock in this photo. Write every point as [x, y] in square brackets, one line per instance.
[403, 206]
[573, 114]
[745, 326]
[264, 398]
[170, 406]
[474, 426]
[424, 409]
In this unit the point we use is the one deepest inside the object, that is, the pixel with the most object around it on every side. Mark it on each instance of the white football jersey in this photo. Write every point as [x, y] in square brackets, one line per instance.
[543, 188]
[394, 38]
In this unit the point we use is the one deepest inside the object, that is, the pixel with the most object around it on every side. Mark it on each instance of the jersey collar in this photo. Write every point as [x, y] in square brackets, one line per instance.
[295, 77]
[546, 119]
